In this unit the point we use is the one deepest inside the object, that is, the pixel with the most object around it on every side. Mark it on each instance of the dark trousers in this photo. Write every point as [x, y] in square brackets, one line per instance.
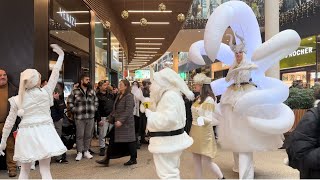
[132, 150]
[143, 125]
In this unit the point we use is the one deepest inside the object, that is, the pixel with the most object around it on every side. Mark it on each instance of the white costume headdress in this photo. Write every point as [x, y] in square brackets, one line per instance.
[168, 78]
[237, 48]
[29, 78]
[201, 79]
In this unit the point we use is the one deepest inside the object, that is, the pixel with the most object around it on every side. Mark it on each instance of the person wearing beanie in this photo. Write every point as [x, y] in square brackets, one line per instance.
[37, 138]
[166, 122]
[204, 148]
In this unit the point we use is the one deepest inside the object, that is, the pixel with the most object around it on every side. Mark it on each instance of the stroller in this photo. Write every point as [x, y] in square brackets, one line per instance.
[68, 136]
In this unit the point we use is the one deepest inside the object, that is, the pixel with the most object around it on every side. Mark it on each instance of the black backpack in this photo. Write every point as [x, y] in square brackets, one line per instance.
[294, 162]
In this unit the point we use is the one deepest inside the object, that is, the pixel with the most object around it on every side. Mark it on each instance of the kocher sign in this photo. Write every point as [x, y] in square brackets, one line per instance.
[300, 52]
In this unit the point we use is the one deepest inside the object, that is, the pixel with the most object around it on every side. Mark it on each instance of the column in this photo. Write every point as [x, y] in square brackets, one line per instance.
[175, 66]
[271, 11]
[24, 37]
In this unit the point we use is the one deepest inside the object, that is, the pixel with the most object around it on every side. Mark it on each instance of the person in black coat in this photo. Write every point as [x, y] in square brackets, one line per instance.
[106, 101]
[57, 114]
[304, 145]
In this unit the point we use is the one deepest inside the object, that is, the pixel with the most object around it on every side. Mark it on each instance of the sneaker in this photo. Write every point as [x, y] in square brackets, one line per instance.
[102, 152]
[79, 156]
[87, 155]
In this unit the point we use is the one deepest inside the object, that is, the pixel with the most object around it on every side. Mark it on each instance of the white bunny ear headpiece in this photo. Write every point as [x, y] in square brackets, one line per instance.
[239, 47]
[29, 78]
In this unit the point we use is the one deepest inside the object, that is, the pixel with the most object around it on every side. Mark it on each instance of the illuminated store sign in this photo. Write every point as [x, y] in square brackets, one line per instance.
[70, 20]
[300, 52]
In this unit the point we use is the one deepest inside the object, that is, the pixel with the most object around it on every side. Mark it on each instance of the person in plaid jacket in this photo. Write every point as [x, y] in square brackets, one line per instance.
[83, 103]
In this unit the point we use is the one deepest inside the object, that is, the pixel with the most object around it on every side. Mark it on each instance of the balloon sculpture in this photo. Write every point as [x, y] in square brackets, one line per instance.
[253, 116]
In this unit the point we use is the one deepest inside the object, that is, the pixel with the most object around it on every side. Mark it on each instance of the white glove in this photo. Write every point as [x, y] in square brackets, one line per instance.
[3, 146]
[148, 112]
[200, 121]
[57, 49]
[142, 108]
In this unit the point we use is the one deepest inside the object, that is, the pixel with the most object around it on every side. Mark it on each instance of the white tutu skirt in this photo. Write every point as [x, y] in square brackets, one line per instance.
[235, 133]
[37, 143]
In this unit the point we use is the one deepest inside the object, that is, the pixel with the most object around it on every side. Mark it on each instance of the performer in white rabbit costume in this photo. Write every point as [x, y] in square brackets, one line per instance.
[166, 122]
[204, 147]
[37, 138]
[253, 114]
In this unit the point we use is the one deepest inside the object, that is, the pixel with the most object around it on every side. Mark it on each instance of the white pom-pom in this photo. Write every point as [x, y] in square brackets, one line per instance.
[20, 112]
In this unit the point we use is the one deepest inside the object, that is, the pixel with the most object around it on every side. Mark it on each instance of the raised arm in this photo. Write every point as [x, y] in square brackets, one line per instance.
[10, 121]
[55, 72]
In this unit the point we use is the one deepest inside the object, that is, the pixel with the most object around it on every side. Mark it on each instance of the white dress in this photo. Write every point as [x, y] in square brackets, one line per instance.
[234, 131]
[36, 138]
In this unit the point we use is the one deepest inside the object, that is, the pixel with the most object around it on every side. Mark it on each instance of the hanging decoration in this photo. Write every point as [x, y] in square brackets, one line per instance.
[181, 17]
[162, 7]
[124, 14]
[143, 22]
[107, 25]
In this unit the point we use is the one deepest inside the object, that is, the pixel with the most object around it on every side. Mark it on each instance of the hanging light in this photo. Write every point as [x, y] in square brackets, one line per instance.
[181, 17]
[162, 7]
[143, 22]
[107, 25]
[124, 14]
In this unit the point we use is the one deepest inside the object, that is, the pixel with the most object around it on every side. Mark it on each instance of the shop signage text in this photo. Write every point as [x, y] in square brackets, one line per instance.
[70, 20]
[300, 52]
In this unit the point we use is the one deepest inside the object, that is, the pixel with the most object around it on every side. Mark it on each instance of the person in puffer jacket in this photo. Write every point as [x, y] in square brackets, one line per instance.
[304, 147]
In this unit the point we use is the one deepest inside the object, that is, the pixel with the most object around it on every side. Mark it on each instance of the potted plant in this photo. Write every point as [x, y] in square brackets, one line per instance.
[300, 100]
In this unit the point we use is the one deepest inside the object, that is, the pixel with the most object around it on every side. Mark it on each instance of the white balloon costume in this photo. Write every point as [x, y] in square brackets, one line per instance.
[37, 138]
[253, 116]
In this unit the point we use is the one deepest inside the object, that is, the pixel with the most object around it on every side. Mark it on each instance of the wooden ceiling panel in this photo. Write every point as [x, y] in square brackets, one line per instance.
[132, 31]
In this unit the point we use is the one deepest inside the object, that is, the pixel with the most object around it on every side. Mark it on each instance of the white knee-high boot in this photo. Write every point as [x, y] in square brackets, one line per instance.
[44, 165]
[235, 167]
[25, 170]
[246, 167]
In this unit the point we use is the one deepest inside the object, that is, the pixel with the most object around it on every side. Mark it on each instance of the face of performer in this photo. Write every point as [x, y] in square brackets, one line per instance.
[3, 78]
[239, 57]
[197, 87]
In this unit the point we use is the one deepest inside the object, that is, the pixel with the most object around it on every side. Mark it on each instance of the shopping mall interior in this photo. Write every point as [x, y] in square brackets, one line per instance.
[132, 39]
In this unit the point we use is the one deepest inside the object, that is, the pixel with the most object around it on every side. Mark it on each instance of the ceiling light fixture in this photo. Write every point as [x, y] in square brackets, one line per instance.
[149, 11]
[145, 48]
[148, 52]
[151, 23]
[149, 38]
[145, 55]
[72, 12]
[85, 23]
[151, 44]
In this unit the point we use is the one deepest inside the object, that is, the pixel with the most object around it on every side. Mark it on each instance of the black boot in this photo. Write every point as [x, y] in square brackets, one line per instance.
[102, 152]
[130, 162]
[104, 161]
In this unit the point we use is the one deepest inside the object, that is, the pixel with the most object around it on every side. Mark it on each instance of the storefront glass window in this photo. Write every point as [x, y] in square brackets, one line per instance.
[69, 27]
[102, 44]
[115, 54]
